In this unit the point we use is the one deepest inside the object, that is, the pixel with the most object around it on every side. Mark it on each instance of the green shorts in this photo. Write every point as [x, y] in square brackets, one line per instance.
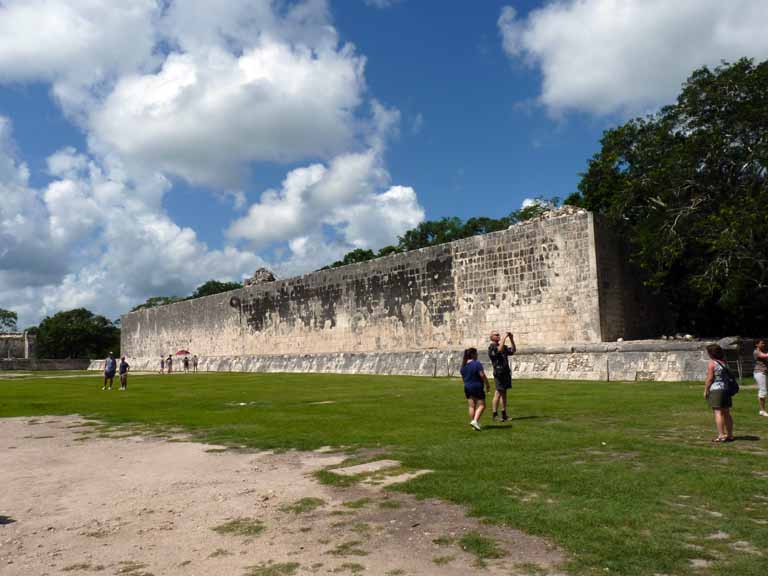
[719, 399]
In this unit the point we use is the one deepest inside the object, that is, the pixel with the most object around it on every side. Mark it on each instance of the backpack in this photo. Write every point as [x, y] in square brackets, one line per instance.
[731, 384]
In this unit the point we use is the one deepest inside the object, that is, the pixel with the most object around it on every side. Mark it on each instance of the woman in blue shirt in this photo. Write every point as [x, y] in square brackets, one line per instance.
[475, 386]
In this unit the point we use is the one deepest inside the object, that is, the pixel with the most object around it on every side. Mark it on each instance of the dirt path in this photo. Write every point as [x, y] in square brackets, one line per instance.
[141, 506]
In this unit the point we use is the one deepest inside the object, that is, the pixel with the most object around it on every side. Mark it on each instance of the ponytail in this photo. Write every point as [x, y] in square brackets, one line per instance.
[469, 354]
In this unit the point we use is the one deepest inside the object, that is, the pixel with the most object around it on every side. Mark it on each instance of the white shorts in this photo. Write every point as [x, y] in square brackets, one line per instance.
[762, 389]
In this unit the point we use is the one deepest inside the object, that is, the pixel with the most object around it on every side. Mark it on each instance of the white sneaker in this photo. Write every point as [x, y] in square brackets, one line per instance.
[763, 413]
[475, 425]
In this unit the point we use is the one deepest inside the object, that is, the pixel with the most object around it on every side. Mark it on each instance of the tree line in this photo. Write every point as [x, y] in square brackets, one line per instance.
[434, 232]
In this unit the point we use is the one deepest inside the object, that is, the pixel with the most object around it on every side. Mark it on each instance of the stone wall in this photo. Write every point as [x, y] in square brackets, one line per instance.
[628, 361]
[17, 345]
[36, 364]
[538, 279]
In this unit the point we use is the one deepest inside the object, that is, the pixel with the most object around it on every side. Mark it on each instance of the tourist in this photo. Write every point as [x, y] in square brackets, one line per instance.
[499, 353]
[110, 367]
[475, 386]
[169, 363]
[185, 363]
[717, 394]
[761, 372]
[194, 363]
[162, 364]
[123, 369]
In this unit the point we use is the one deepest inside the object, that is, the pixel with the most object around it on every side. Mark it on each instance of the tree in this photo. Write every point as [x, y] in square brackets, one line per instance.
[8, 320]
[77, 334]
[157, 301]
[354, 257]
[688, 189]
[433, 232]
[214, 287]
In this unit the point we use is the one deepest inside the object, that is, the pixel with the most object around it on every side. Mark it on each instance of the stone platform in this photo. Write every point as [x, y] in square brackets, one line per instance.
[658, 360]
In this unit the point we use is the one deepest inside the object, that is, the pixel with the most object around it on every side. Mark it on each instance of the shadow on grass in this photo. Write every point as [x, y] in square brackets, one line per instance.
[506, 425]
[746, 438]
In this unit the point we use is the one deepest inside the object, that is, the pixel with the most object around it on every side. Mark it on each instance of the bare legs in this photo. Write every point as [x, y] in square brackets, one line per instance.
[500, 397]
[476, 409]
[724, 423]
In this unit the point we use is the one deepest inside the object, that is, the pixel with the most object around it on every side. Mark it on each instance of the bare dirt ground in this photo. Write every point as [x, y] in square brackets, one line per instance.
[140, 505]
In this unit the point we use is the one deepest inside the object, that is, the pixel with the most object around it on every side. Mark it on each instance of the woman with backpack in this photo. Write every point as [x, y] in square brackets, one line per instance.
[475, 386]
[717, 393]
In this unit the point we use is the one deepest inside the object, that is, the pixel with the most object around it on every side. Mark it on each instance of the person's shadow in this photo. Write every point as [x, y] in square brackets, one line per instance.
[746, 438]
[4, 520]
[506, 425]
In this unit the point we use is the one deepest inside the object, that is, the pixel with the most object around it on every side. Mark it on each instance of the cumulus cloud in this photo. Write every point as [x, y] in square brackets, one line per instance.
[608, 56]
[94, 237]
[351, 195]
[206, 114]
[169, 89]
[28, 255]
[174, 86]
[75, 45]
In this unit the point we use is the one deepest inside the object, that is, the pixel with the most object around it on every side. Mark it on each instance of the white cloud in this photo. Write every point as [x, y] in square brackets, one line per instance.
[381, 3]
[95, 238]
[352, 195]
[171, 88]
[206, 114]
[28, 255]
[628, 56]
[74, 44]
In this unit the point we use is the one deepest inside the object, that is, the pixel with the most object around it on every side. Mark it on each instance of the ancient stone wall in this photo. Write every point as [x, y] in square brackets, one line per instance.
[41, 364]
[627, 362]
[17, 345]
[538, 279]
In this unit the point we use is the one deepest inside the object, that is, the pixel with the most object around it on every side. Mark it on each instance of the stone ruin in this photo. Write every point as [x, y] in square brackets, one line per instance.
[261, 276]
[560, 282]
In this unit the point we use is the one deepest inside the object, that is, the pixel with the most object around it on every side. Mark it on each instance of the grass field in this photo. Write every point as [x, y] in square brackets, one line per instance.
[622, 476]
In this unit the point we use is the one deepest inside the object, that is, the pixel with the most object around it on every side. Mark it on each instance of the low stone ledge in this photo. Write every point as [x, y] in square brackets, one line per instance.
[569, 364]
[38, 364]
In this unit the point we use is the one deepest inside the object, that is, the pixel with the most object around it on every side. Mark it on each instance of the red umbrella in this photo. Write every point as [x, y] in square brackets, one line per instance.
[182, 353]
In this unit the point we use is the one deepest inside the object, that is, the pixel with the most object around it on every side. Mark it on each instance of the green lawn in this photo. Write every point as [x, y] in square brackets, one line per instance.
[622, 476]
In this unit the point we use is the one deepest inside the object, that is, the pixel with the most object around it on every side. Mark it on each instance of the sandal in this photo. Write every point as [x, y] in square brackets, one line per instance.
[719, 439]
[730, 439]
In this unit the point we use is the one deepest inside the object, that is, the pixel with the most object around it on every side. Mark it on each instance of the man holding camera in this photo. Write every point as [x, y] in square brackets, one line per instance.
[499, 352]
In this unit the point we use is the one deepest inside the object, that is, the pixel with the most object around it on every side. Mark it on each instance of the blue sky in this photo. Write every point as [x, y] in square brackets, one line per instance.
[148, 146]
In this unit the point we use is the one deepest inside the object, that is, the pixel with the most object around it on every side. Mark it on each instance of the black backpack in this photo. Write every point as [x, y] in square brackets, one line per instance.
[731, 384]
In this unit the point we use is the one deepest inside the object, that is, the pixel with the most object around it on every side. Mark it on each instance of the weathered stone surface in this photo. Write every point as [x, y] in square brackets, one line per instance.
[261, 276]
[588, 363]
[17, 345]
[35, 364]
[538, 279]
[559, 282]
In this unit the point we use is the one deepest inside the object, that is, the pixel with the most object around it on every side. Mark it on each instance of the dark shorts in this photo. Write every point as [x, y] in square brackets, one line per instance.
[719, 399]
[474, 391]
[503, 380]
[109, 374]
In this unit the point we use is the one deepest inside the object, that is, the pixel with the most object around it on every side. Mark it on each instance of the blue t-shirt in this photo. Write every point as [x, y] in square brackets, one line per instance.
[471, 373]
[123, 367]
[110, 365]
